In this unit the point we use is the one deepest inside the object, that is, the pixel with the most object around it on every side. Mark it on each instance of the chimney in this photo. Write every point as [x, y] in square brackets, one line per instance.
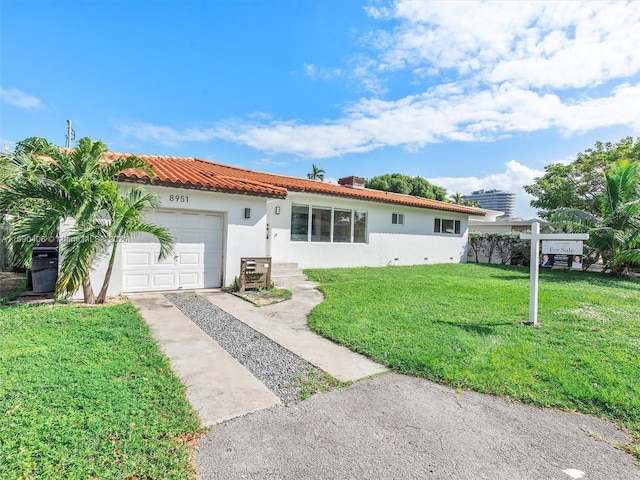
[352, 182]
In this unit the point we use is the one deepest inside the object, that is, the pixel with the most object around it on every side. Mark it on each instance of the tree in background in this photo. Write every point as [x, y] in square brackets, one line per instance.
[399, 183]
[53, 185]
[457, 198]
[614, 232]
[580, 184]
[316, 173]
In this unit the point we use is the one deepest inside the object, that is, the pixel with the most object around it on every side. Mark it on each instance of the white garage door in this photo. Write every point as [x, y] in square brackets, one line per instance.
[196, 261]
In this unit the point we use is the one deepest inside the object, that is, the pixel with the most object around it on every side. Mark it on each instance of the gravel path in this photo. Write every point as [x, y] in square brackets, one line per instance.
[283, 372]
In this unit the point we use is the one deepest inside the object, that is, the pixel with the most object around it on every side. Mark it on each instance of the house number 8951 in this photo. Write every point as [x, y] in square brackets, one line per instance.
[179, 198]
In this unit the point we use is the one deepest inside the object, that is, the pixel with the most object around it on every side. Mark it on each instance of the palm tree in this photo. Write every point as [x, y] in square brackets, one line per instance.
[616, 234]
[54, 185]
[127, 220]
[316, 174]
[457, 198]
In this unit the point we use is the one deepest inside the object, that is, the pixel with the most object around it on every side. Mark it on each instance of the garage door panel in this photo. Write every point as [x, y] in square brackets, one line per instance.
[164, 218]
[189, 258]
[136, 281]
[165, 261]
[138, 259]
[196, 261]
[187, 279]
[163, 279]
[191, 220]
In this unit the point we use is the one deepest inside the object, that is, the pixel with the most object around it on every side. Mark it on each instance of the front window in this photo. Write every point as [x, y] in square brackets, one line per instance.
[325, 224]
[360, 227]
[341, 225]
[321, 224]
[444, 225]
[300, 223]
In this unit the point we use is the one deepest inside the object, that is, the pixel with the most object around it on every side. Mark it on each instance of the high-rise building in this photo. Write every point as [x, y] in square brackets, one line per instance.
[494, 200]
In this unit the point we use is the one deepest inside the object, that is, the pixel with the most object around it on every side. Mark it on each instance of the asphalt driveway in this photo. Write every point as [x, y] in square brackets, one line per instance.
[399, 427]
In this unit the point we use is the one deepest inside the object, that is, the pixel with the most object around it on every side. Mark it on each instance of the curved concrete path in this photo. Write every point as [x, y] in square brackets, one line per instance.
[286, 324]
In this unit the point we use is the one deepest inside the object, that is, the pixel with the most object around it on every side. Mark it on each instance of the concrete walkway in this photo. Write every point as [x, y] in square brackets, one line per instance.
[218, 386]
[286, 324]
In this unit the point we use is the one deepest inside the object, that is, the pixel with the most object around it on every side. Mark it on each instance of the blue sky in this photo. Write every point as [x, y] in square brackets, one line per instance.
[468, 95]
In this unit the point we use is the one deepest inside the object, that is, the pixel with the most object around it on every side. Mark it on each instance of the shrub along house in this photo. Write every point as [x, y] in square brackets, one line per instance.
[220, 213]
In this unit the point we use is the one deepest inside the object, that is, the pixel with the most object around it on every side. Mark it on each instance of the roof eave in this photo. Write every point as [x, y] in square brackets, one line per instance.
[206, 188]
[444, 208]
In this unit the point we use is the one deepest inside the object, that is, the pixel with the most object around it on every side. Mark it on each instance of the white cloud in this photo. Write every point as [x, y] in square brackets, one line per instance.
[532, 44]
[19, 99]
[512, 67]
[445, 113]
[515, 176]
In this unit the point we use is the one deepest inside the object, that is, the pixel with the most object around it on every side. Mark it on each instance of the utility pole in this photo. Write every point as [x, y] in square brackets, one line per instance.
[71, 135]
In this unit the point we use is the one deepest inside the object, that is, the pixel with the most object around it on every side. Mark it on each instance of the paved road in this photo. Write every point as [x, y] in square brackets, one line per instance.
[400, 427]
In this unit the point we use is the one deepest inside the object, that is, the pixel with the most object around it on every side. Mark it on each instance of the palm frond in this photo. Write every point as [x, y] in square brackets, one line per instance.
[28, 231]
[629, 257]
[166, 240]
[573, 220]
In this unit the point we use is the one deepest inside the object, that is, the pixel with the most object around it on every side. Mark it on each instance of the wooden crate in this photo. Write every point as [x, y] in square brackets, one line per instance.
[255, 273]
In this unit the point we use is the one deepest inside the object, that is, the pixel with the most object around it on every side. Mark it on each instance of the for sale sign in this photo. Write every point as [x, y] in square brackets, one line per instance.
[561, 247]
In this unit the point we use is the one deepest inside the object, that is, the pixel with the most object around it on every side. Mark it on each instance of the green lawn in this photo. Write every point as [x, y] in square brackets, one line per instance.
[460, 324]
[85, 393]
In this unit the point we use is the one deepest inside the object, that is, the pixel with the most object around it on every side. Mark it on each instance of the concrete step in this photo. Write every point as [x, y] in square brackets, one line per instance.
[285, 274]
[277, 266]
[287, 281]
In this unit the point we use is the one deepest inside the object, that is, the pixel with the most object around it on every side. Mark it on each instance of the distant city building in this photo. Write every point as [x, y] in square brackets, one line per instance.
[494, 200]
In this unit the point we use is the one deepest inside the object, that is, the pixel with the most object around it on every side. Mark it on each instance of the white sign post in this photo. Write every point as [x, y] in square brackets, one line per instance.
[535, 236]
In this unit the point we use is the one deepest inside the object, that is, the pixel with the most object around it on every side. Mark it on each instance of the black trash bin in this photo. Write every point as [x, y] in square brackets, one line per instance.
[44, 269]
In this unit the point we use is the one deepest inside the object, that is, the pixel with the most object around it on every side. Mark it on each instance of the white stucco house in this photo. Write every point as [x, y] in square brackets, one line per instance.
[220, 213]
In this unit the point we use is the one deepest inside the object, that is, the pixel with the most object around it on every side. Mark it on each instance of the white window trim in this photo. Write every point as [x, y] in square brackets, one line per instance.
[442, 232]
[398, 217]
[333, 209]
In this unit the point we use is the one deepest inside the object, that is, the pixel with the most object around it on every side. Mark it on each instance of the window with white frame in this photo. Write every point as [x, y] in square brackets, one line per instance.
[325, 224]
[445, 225]
[397, 219]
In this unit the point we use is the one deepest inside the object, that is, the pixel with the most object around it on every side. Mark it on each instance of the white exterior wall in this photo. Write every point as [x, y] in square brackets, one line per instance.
[409, 244]
[242, 237]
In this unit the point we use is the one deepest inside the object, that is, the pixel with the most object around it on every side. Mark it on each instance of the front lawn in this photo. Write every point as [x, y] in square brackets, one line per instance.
[460, 324]
[86, 393]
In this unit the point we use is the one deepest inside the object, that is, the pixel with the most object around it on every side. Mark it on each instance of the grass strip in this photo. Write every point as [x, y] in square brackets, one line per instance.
[86, 393]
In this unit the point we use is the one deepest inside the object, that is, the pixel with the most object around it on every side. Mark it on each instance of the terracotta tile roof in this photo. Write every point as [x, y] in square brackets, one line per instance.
[189, 172]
